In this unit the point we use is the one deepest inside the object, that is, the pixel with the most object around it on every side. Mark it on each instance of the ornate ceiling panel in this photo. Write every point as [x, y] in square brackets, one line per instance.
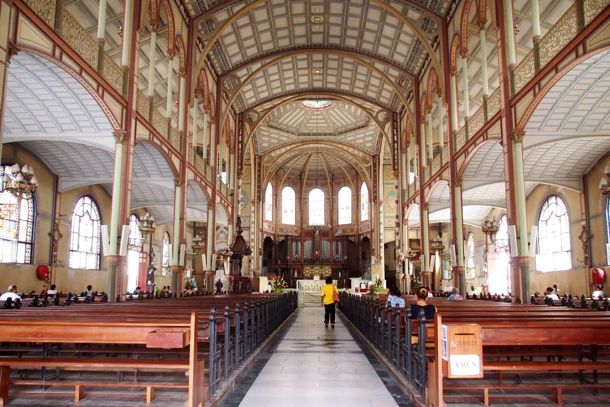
[579, 103]
[340, 122]
[44, 102]
[318, 72]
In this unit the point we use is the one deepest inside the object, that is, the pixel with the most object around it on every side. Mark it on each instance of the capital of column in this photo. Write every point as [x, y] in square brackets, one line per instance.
[120, 135]
[178, 182]
[457, 182]
[518, 135]
[12, 51]
[176, 269]
[113, 260]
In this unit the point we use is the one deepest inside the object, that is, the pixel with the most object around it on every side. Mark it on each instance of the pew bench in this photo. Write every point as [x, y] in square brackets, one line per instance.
[87, 364]
[140, 332]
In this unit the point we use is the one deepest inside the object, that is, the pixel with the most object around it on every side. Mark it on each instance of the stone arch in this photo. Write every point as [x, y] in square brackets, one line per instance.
[171, 29]
[533, 105]
[181, 55]
[453, 53]
[114, 122]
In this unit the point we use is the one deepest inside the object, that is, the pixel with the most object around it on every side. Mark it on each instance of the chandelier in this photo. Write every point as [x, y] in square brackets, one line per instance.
[437, 244]
[490, 227]
[147, 224]
[20, 181]
[197, 243]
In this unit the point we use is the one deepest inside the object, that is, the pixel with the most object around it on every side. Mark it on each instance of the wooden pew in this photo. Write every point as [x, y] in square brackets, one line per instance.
[150, 333]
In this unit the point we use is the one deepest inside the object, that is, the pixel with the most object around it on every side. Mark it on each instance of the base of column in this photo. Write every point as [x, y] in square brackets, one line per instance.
[459, 278]
[113, 265]
[426, 279]
[177, 277]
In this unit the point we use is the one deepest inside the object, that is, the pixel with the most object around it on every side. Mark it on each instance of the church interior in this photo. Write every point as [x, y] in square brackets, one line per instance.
[168, 150]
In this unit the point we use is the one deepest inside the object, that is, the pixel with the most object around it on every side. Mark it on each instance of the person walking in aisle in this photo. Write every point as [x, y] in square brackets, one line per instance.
[329, 295]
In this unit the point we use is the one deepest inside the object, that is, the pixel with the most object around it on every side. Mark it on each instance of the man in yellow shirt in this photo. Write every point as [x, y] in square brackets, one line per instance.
[328, 301]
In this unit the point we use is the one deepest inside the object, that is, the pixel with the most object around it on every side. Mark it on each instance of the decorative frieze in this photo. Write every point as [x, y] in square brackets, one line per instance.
[45, 9]
[558, 36]
[593, 8]
[525, 71]
[79, 39]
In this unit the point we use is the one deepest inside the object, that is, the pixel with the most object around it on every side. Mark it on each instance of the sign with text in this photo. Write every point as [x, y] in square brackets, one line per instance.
[462, 351]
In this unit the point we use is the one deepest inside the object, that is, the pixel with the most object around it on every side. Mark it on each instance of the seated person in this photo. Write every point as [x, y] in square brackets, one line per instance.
[455, 295]
[550, 294]
[598, 293]
[421, 304]
[11, 293]
[394, 299]
[52, 290]
[89, 291]
[137, 291]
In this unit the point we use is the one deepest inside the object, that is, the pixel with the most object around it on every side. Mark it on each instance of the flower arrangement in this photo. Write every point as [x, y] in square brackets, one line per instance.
[278, 284]
[378, 285]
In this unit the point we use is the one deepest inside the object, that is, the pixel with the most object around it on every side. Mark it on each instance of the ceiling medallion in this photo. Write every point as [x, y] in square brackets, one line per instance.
[317, 103]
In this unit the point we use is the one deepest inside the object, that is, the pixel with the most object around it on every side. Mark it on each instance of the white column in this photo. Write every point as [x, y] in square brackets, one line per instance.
[170, 75]
[176, 240]
[182, 104]
[117, 196]
[209, 247]
[422, 145]
[484, 78]
[101, 20]
[454, 108]
[127, 33]
[535, 18]
[152, 61]
[465, 85]
[204, 134]
[195, 115]
[213, 157]
[510, 35]
[441, 119]
[429, 135]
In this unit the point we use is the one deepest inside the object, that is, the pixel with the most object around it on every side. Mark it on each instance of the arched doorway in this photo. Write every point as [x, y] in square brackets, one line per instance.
[365, 257]
[267, 256]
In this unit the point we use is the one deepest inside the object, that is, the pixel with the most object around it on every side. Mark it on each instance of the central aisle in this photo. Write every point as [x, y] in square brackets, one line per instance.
[317, 366]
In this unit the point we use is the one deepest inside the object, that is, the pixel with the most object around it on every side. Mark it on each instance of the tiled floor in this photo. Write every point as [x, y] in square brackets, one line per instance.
[316, 366]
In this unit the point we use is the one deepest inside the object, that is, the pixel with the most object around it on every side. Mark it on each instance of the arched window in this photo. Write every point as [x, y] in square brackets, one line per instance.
[16, 225]
[269, 202]
[85, 235]
[316, 207]
[165, 256]
[134, 253]
[497, 266]
[345, 206]
[364, 202]
[554, 252]
[288, 206]
[470, 261]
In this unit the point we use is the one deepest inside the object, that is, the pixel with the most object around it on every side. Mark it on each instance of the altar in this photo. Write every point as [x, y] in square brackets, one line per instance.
[310, 271]
[309, 292]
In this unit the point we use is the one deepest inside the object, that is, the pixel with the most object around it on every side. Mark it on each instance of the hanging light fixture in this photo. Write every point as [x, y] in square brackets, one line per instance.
[20, 181]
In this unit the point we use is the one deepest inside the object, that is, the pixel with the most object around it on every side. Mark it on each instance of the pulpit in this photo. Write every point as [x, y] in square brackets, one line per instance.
[239, 248]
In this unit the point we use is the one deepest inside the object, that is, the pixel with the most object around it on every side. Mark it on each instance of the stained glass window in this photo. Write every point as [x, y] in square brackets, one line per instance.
[85, 242]
[317, 103]
[316, 207]
[554, 248]
[288, 206]
[269, 202]
[345, 206]
[16, 226]
[364, 202]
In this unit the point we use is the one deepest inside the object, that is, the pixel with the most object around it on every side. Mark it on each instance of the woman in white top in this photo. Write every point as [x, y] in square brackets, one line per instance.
[10, 293]
[52, 290]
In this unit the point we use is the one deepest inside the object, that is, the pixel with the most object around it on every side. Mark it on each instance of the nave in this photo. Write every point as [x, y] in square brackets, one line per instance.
[313, 366]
